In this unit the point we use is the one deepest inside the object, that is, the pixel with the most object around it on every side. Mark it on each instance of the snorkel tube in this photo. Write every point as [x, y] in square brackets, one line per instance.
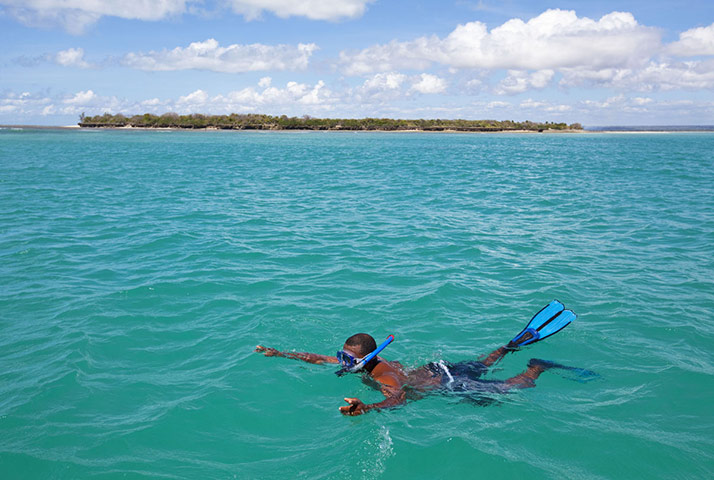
[366, 359]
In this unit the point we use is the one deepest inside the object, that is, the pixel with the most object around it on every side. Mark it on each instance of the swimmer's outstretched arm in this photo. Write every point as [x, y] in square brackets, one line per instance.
[393, 393]
[304, 356]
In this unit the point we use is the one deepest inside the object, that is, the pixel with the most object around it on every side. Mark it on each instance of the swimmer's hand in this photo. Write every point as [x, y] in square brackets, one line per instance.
[304, 356]
[267, 351]
[355, 407]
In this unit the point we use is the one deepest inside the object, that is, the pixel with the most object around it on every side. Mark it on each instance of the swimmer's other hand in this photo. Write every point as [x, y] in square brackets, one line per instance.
[267, 351]
[355, 407]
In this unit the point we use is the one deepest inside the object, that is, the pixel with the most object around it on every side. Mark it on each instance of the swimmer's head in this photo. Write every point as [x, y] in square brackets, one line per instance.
[357, 348]
[361, 344]
[360, 351]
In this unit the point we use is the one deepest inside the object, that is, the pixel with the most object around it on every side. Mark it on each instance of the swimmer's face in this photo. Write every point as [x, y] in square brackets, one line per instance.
[348, 356]
[352, 350]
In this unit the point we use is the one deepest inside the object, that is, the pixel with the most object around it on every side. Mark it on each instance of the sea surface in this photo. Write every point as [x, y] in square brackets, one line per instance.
[139, 270]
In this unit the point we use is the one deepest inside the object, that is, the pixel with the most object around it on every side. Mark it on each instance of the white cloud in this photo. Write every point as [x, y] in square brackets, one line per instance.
[392, 56]
[76, 15]
[209, 55]
[429, 84]
[530, 103]
[82, 98]
[312, 9]
[474, 85]
[314, 96]
[265, 82]
[380, 89]
[621, 109]
[518, 81]
[87, 100]
[384, 81]
[616, 101]
[498, 104]
[199, 97]
[544, 106]
[695, 75]
[574, 77]
[383, 89]
[690, 75]
[43, 105]
[696, 41]
[151, 102]
[72, 57]
[554, 39]
[271, 99]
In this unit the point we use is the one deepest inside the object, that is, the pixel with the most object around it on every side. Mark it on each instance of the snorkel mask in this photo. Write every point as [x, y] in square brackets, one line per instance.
[351, 364]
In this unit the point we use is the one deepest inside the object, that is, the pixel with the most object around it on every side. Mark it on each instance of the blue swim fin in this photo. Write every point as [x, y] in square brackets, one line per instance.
[550, 320]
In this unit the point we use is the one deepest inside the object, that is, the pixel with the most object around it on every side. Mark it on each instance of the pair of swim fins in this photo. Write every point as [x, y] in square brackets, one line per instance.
[550, 320]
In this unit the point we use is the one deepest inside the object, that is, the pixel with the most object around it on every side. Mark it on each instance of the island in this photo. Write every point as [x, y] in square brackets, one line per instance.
[267, 122]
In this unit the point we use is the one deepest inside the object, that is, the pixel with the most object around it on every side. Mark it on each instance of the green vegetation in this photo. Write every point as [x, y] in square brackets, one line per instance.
[267, 122]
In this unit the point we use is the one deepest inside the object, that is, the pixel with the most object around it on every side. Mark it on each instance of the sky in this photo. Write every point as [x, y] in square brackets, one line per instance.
[593, 62]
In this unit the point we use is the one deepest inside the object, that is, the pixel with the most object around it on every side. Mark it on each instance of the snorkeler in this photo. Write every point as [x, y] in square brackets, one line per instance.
[397, 384]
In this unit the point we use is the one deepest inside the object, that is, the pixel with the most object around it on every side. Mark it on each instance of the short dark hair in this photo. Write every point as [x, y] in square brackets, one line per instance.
[363, 341]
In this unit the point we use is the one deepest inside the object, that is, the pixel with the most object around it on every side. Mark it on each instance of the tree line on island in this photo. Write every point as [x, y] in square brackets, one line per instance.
[267, 122]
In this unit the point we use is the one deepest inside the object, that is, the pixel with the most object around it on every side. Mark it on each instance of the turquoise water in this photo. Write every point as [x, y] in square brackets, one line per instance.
[138, 270]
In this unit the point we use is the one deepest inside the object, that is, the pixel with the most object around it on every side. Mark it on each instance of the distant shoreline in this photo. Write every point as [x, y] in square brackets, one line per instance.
[214, 129]
[375, 130]
[593, 130]
[255, 121]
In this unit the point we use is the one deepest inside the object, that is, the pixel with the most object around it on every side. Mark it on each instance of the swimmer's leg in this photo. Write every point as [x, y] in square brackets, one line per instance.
[548, 321]
[527, 379]
[495, 356]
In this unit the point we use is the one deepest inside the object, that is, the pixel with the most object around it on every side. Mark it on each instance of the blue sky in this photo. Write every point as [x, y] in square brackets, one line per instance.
[598, 63]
